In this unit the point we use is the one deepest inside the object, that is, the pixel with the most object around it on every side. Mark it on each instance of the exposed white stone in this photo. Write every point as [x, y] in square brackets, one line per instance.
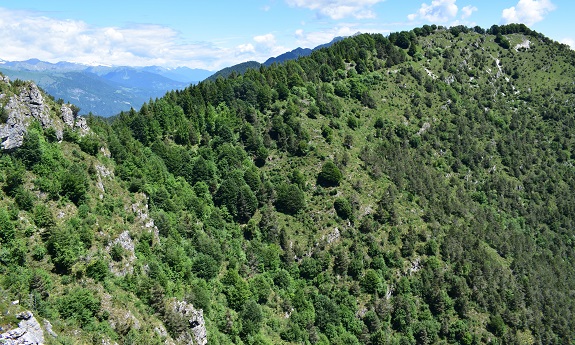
[29, 332]
[197, 333]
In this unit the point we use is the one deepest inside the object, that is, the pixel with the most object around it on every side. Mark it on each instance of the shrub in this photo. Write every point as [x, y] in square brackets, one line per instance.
[79, 304]
[6, 227]
[90, 145]
[330, 175]
[289, 198]
[252, 318]
[3, 115]
[43, 217]
[24, 199]
[65, 247]
[14, 178]
[200, 295]
[31, 151]
[117, 252]
[343, 208]
[74, 184]
[97, 270]
[371, 282]
[205, 266]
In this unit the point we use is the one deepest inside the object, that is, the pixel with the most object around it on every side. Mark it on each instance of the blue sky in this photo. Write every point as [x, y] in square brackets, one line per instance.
[216, 34]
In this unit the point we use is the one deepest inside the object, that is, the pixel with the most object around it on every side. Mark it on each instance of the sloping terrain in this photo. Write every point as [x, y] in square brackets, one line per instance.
[411, 189]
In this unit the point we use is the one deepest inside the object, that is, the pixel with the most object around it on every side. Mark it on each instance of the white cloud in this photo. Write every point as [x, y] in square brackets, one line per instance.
[467, 11]
[267, 39]
[246, 48]
[569, 41]
[438, 12]
[338, 9]
[527, 12]
[27, 35]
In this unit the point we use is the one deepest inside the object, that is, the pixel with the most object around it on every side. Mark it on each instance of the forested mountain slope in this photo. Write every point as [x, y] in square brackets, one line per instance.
[410, 189]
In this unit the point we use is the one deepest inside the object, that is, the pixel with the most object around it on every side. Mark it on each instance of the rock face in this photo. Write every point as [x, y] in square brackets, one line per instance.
[29, 332]
[126, 265]
[28, 105]
[196, 334]
[73, 121]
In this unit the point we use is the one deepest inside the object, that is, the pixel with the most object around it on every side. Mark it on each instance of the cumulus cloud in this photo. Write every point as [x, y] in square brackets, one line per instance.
[467, 11]
[267, 39]
[527, 12]
[27, 35]
[338, 9]
[246, 48]
[438, 11]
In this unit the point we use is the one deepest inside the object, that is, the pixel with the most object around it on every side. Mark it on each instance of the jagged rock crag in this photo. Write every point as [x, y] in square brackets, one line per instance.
[196, 334]
[29, 332]
[28, 105]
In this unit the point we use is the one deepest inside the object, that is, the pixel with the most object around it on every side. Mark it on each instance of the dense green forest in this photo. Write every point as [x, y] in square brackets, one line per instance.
[409, 189]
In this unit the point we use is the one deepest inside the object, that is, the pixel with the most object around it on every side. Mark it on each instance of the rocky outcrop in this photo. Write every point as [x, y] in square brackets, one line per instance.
[22, 109]
[126, 265]
[29, 105]
[73, 121]
[29, 332]
[103, 173]
[196, 334]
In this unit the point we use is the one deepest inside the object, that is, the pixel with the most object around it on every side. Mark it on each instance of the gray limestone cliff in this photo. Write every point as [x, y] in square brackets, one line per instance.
[29, 331]
[22, 104]
[195, 332]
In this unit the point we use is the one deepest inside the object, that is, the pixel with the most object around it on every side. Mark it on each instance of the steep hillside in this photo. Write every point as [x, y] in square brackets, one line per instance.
[411, 189]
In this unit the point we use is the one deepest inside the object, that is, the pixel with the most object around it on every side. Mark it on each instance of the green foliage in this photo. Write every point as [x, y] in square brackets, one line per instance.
[252, 318]
[14, 178]
[117, 252]
[6, 226]
[89, 144]
[238, 198]
[457, 180]
[31, 151]
[97, 270]
[3, 115]
[236, 290]
[343, 208]
[65, 248]
[496, 325]
[79, 305]
[372, 282]
[290, 199]
[200, 295]
[43, 217]
[330, 175]
[502, 41]
[24, 199]
[74, 183]
[205, 267]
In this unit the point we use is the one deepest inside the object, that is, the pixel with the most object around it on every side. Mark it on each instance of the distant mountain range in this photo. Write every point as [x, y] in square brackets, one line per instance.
[103, 90]
[291, 55]
[108, 90]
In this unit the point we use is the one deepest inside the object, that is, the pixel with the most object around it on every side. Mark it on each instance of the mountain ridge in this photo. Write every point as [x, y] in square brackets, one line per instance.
[296, 53]
[414, 188]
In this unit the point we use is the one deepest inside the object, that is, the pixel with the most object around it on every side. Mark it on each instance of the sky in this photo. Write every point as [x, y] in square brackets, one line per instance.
[215, 34]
